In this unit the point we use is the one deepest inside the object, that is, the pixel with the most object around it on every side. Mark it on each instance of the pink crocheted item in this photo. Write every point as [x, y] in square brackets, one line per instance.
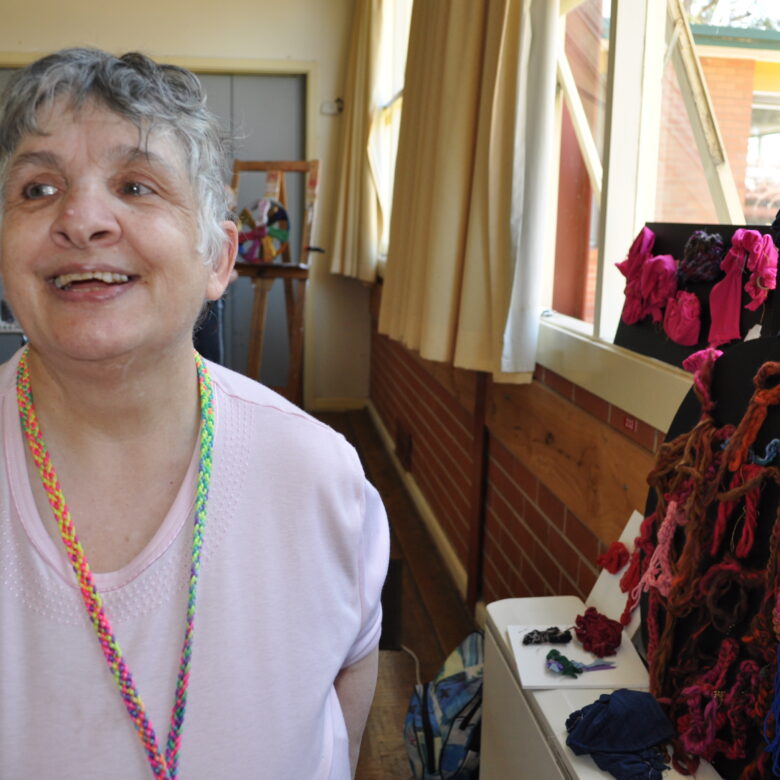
[639, 252]
[762, 263]
[657, 284]
[659, 573]
[682, 320]
[631, 268]
[694, 363]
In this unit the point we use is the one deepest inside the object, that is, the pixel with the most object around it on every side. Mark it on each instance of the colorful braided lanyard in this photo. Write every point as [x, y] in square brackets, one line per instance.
[162, 766]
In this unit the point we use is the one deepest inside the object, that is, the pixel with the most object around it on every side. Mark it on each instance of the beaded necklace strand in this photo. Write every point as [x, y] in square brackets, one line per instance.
[166, 766]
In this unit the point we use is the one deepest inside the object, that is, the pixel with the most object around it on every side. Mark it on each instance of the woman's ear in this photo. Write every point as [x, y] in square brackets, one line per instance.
[220, 275]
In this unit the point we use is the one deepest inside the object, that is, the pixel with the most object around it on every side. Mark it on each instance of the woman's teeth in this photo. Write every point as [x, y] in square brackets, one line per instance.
[102, 276]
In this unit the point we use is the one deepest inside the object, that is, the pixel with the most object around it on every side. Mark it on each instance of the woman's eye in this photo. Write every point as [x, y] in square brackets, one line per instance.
[37, 190]
[135, 188]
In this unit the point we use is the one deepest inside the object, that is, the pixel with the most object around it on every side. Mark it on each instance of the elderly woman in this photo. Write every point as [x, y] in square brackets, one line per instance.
[190, 567]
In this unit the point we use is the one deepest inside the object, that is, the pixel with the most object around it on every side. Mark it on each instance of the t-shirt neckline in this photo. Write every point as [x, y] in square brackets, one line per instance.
[54, 554]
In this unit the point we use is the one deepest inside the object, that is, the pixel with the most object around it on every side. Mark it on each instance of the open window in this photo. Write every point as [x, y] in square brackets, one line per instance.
[661, 121]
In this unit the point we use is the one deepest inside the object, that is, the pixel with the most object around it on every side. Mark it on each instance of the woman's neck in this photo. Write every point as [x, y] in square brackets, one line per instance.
[122, 399]
[121, 438]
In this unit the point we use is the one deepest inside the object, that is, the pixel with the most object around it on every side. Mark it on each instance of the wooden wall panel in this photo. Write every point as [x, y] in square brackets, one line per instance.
[599, 474]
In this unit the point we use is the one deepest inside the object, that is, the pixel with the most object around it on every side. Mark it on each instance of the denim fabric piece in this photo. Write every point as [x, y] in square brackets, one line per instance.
[621, 731]
[647, 765]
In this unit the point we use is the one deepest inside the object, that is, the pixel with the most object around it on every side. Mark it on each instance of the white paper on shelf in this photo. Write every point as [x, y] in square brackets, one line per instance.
[629, 671]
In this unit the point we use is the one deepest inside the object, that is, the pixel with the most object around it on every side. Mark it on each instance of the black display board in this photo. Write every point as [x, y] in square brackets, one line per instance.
[648, 338]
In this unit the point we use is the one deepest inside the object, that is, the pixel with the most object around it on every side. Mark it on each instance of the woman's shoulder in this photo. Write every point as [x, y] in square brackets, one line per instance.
[248, 392]
[278, 422]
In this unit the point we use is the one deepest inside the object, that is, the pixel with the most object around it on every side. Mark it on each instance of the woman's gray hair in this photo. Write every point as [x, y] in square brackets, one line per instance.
[136, 88]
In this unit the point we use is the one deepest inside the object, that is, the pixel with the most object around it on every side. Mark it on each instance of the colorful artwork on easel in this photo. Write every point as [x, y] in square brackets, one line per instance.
[264, 231]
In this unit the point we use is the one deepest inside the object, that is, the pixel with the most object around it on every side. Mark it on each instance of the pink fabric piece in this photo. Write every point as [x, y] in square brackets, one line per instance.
[758, 252]
[682, 320]
[631, 268]
[657, 284]
[726, 295]
[762, 262]
[639, 252]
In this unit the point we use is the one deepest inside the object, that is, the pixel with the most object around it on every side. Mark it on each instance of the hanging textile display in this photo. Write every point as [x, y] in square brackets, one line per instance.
[686, 290]
[706, 566]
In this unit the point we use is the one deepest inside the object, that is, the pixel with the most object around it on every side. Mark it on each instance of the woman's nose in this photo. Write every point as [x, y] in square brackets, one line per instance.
[85, 219]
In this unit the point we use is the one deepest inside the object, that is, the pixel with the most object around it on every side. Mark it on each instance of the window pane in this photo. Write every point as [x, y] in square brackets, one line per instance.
[383, 140]
[574, 286]
[735, 49]
[762, 175]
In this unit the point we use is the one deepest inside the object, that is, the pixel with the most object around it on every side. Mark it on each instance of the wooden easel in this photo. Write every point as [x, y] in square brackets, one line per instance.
[294, 274]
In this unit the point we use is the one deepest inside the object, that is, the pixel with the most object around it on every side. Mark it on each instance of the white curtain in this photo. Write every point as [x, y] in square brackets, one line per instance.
[463, 277]
[375, 74]
[356, 234]
[532, 186]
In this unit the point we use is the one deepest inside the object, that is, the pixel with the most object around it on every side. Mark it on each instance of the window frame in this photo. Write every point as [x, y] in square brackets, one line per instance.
[583, 353]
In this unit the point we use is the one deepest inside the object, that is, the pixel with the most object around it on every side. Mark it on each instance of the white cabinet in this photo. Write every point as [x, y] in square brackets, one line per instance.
[523, 731]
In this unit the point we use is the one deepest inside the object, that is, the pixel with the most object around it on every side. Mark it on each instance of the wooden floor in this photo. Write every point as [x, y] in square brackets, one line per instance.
[434, 619]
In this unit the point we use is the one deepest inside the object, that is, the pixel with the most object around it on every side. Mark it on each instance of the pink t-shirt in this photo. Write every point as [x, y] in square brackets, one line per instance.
[296, 551]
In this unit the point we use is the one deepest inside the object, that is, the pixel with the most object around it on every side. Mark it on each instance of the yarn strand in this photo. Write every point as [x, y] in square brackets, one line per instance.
[162, 766]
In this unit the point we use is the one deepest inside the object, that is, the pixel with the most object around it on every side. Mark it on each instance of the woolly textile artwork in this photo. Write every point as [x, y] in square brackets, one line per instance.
[614, 559]
[706, 566]
[550, 636]
[560, 664]
[597, 633]
[162, 766]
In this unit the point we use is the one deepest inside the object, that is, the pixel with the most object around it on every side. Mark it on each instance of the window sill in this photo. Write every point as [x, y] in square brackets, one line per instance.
[646, 388]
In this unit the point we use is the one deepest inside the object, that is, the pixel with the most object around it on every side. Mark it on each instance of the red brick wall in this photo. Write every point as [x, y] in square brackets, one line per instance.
[407, 398]
[533, 543]
[682, 194]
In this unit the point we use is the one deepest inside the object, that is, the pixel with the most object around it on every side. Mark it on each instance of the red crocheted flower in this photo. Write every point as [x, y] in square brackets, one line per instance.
[614, 559]
[597, 633]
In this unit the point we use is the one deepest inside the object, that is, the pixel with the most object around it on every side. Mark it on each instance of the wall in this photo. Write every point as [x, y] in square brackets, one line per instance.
[312, 31]
[564, 469]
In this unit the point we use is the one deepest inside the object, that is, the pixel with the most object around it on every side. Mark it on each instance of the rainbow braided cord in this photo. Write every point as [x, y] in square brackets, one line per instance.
[162, 766]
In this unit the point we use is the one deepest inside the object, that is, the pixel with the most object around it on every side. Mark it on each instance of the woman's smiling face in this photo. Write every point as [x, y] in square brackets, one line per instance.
[98, 242]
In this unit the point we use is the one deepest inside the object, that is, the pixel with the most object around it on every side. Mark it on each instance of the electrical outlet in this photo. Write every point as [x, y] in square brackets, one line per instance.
[403, 445]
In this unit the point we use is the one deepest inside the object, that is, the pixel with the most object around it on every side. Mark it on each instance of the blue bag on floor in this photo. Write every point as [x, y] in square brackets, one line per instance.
[442, 725]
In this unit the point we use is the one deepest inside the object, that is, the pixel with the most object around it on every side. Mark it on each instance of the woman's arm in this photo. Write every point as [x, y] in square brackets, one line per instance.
[355, 688]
